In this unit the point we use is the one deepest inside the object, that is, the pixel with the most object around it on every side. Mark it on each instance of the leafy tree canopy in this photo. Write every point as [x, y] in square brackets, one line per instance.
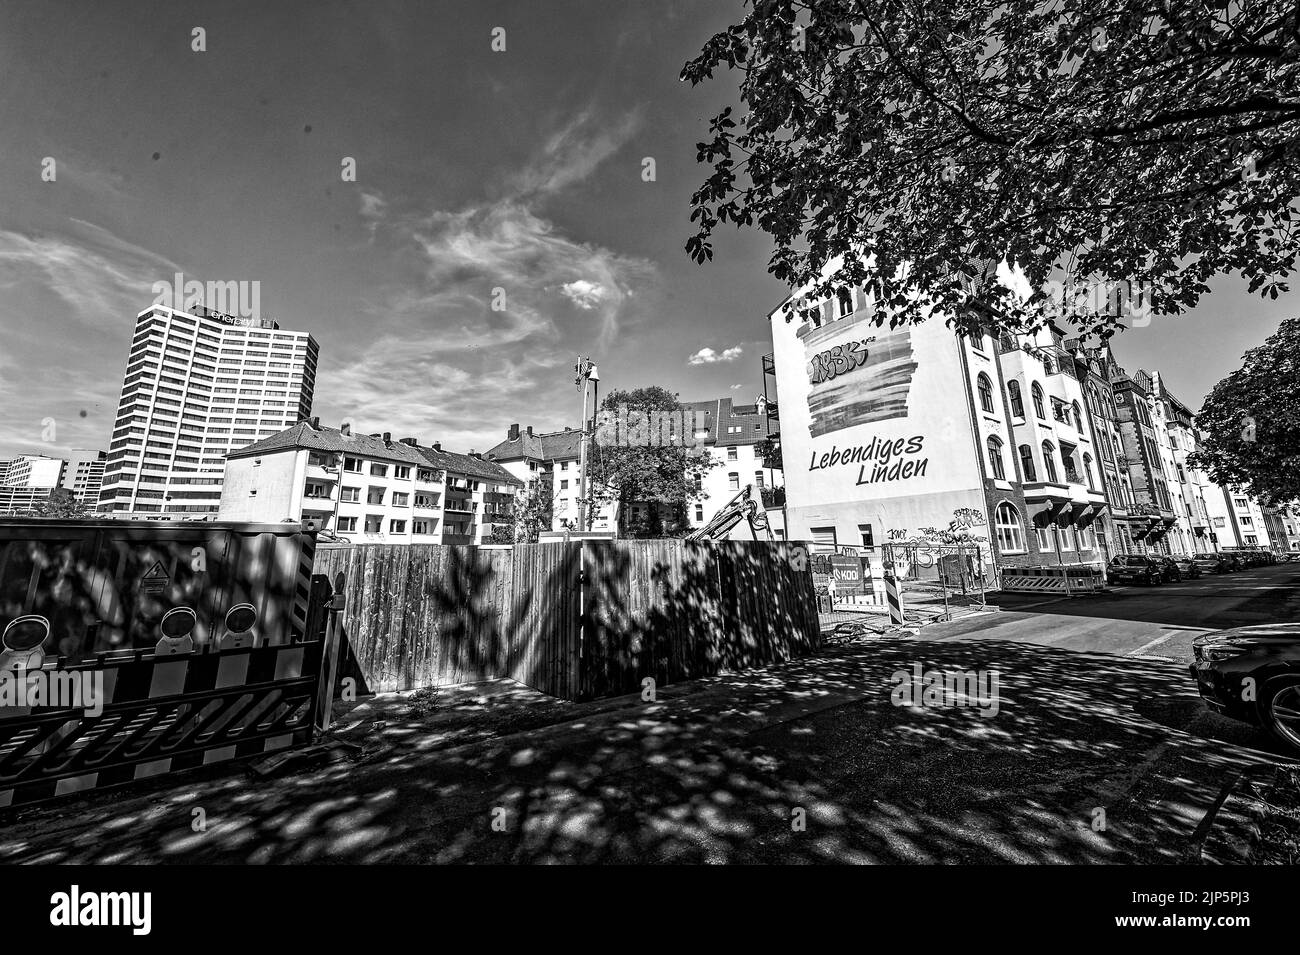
[631, 462]
[61, 504]
[1084, 142]
[1250, 423]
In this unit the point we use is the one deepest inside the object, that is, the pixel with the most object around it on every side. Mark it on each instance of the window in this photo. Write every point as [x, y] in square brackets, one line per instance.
[397, 527]
[1252, 539]
[868, 536]
[1006, 522]
[419, 527]
[995, 459]
[374, 522]
[379, 470]
[1049, 462]
[1017, 400]
[823, 540]
[1246, 521]
[352, 464]
[375, 495]
[1087, 471]
[1078, 417]
[564, 485]
[1240, 503]
[1038, 401]
[733, 481]
[1027, 463]
[758, 479]
[401, 500]
[1066, 537]
[347, 524]
[1045, 543]
[986, 392]
[352, 494]
[699, 512]
[732, 454]
[564, 465]
[402, 471]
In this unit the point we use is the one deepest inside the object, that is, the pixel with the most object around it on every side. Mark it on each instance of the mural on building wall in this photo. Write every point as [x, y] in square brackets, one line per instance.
[859, 381]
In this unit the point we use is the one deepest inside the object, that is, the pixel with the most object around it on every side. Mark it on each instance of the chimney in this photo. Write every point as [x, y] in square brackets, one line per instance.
[410, 441]
[513, 433]
[567, 429]
[530, 431]
[437, 445]
[346, 429]
[315, 423]
[388, 437]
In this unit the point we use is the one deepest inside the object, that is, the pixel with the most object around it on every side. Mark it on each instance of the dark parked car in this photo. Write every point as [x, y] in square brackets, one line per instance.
[1211, 563]
[1134, 568]
[1233, 561]
[1187, 566]
[1268, 655]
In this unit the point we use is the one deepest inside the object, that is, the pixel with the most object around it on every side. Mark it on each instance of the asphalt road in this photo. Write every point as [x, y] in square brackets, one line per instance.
[1137, 621]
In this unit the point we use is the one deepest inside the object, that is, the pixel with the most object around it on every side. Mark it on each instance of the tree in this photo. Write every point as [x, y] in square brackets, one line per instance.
[532, 512]
[61, 504]
[1250, 423]
[643, 453]
[769, 450]
[1152, 143]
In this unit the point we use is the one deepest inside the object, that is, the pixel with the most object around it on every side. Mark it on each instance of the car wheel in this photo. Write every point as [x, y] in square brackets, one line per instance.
[1281, 710]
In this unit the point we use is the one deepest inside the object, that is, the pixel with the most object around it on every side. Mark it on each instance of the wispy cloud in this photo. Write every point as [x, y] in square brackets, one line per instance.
[98, 274]
[707, 356]
[493, 300]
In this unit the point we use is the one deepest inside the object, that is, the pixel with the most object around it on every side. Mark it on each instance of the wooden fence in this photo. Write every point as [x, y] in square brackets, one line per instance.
[577, 620]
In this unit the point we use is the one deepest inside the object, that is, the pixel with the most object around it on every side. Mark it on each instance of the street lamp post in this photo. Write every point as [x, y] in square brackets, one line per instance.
[586, 375]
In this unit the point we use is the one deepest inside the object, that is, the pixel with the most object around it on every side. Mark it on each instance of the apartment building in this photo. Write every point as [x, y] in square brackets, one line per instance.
[84, 475]
[1283, 525]
[29, 479]
[731, 433]
[551, 458]
[367, 488]
[198, 385]
[919, 435]
[1238, 520]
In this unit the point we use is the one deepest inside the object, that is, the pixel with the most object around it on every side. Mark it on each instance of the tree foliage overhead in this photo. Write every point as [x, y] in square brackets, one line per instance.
[1250, 422]
[1086, 141]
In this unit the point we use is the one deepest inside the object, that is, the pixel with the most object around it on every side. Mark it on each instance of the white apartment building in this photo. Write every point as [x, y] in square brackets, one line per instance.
[35, 470]
[553, 459]
[367, 488]
[728, 432]
[198, 385]
[1237, 520]
[84, 475]
[731, 433]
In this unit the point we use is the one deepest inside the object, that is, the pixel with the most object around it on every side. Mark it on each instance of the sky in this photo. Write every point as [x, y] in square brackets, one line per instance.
[521, 170]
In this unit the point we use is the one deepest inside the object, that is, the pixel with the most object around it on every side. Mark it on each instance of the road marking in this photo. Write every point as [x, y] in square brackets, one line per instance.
[1147, 646]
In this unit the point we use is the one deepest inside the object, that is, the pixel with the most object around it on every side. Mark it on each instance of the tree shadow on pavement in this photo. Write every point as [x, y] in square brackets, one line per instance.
[808, 761]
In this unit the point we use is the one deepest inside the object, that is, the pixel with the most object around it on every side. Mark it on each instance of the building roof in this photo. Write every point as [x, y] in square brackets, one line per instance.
[303, 435]
[555, 446]
[717, 414]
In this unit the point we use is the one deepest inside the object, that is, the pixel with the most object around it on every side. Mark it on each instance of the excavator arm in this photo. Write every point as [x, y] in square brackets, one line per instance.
[741, 507]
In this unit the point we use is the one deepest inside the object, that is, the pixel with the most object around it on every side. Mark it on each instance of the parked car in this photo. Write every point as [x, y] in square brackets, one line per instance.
[1233, 561]
[1211, 563]
[1167, 567]
[1187, 567]
[1134, 568]
[1268, 654]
